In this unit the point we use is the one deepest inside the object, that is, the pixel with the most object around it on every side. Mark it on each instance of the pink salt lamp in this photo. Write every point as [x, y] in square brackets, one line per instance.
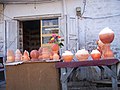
[10, 56]
[34, 55]
[18, 55]
[95, 54]
[26, 56]
[82, 55]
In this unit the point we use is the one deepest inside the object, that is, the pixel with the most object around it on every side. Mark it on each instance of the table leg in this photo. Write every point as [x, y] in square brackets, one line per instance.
[65, 73]
[114, 79]
[102, 72]
[63, 83]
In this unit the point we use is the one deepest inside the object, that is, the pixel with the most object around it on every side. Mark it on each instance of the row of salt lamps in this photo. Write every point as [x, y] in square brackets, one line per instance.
[81, 55]
[42, 54]
[18, 56]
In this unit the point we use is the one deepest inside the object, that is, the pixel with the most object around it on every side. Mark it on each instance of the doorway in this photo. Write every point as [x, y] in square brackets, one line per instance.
[31, 35]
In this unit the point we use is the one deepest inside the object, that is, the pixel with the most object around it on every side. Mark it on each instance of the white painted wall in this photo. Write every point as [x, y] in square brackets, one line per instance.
[99, 13]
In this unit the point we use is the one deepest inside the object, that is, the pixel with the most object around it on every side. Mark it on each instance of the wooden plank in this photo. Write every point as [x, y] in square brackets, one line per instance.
[87, 63]
[104, 82]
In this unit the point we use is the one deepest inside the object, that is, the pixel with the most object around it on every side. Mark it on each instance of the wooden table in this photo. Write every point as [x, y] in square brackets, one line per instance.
[110, 64]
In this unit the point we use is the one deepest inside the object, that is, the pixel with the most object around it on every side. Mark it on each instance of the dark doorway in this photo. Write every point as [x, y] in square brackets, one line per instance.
[31, 35]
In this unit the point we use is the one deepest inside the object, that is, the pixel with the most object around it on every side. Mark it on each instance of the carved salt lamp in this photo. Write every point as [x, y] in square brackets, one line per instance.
[18, 55]
[67, 56]
[82, 55]
[107, 36]
[10, 56]
[95, 54]
[26, 56]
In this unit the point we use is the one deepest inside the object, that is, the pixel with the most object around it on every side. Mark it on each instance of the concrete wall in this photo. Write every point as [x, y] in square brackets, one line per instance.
[97, 15]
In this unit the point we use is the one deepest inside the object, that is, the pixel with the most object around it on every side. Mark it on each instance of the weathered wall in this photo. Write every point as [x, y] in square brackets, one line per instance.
[17, 10]
[97, 15]
[100, 14]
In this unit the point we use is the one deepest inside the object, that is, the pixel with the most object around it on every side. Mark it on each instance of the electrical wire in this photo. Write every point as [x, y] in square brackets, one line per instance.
[84, 7]
[104, 17]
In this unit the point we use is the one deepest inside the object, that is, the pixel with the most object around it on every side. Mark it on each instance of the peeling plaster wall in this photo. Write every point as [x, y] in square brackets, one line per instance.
[1, 31]
[1, 11]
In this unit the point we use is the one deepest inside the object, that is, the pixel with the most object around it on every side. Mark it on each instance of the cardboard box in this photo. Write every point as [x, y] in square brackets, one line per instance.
[32, 76]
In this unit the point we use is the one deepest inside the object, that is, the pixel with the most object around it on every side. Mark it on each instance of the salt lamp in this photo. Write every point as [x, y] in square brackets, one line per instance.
[10, 56]
[55, 56]
[26, 56]
[34, 55]
[82, 55]
[101, 45]
[18, 55]
[51, 55]
[107, 52]
[95, 54]
[67, 56]
[106, 35]
[55, 48]
[45, 56]
[45, 53]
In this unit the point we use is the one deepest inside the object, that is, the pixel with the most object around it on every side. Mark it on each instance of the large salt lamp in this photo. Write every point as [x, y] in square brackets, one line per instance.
[67, 56]
[34, 55]
[106, 35]
[95, 54]
[82, 55]
[18, 55]
[10, 56]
